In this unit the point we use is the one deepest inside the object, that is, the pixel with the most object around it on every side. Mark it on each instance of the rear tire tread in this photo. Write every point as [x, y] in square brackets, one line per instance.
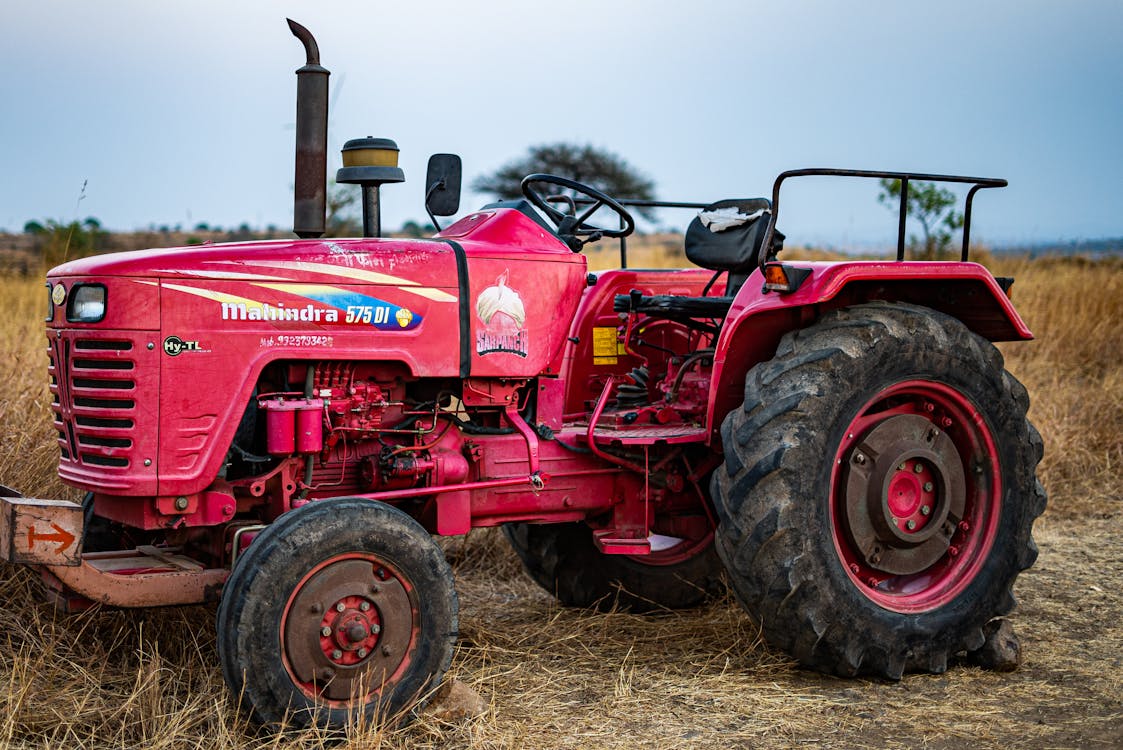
[773, 443]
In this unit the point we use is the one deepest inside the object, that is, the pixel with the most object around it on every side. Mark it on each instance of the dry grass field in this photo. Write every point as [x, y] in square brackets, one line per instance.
[558, 678]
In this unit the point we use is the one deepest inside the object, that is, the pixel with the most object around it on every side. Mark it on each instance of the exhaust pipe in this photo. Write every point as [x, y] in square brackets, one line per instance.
[310, 199]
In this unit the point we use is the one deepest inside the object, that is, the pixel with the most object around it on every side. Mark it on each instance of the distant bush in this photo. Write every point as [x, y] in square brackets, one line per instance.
[56, 242]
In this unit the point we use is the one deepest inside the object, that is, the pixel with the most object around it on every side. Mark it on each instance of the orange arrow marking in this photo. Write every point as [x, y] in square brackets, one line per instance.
[62, 536]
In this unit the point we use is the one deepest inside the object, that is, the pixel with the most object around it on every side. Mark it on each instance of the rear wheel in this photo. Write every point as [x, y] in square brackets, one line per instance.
[878, 492]
[341, 608]
[563, 559]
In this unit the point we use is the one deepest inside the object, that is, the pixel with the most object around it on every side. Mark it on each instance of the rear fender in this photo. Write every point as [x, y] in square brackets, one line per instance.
[758, 319]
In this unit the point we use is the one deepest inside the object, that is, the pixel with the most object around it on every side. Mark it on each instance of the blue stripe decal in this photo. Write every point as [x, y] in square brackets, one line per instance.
[383, 315]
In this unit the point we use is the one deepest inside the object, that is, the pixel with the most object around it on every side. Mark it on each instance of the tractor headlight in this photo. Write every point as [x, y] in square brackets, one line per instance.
[87, 304]
[50, 302]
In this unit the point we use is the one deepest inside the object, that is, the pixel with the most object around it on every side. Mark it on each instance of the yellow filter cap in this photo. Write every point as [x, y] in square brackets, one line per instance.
[370, 152]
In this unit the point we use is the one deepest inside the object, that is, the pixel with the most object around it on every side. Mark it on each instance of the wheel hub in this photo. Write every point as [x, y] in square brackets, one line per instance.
[348, 628]
[905, 492]
[910, 490]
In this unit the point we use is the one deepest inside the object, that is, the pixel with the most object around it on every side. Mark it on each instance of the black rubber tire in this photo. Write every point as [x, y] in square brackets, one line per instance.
[265, 581]
[772, 496]
[562, 559]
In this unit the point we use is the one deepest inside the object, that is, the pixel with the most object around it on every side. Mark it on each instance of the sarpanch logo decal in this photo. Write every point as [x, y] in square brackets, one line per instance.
[501, 311]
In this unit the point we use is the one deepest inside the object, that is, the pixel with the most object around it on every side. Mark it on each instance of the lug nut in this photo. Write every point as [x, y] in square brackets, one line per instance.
[181, 503]
[859, 458]
[919, 467]
[386, 651]
[911, 524]
[362, 653]
[365, 606]
[325, 631]
[901, 467]
[953, 550]
[375, 629]
[927, 486]
[339, 607]
[964, 526]
[337, 654]
[925, 510]
[854, 568]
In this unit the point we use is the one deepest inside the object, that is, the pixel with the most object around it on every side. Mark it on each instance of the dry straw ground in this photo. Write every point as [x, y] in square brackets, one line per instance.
[561, 678]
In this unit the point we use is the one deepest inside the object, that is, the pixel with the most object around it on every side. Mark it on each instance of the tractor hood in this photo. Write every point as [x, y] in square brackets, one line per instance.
[493, 232]
[483, 298]
[241, 260]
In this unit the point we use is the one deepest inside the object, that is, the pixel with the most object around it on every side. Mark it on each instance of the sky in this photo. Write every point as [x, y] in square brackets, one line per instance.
[180, 113]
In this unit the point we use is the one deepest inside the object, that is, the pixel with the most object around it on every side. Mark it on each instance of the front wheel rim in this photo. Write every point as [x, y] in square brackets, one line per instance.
[348, 629]
[915, 496]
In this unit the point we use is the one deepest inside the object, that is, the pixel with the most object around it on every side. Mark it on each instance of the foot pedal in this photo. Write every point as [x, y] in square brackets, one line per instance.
[608, 544]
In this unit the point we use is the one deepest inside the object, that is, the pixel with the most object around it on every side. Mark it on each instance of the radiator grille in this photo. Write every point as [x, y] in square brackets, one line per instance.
[93, 398]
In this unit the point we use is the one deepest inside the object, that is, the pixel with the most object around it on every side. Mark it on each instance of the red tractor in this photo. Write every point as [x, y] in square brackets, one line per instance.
[282, 426]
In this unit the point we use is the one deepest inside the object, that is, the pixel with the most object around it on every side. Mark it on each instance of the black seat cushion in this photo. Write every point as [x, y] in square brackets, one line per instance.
[670, 306]
[734, 249]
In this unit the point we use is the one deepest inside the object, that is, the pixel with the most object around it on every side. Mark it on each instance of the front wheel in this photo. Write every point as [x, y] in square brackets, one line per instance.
[341, 608]
[878, 492]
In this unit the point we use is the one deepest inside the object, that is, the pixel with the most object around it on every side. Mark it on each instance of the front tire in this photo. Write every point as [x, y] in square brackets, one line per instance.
[878, 492]
[341, 608]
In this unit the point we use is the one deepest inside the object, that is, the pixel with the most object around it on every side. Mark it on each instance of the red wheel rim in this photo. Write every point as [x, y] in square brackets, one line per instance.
[915, 496]
[348, 629]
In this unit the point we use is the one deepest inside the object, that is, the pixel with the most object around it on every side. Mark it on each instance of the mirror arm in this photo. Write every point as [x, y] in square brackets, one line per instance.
[438, 185]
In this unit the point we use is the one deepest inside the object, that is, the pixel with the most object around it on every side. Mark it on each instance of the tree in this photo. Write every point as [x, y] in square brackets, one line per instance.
[58, 242]
[598, 168]
[412, 229]
[342, 219]
[931, 205]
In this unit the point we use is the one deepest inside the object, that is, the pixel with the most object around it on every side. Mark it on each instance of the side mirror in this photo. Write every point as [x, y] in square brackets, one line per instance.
[442, 185]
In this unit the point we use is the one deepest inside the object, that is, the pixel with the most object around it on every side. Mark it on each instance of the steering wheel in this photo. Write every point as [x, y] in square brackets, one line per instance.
[576, 231]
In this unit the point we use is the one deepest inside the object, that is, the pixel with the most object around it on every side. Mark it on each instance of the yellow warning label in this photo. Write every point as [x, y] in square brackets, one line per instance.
[604, 345]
